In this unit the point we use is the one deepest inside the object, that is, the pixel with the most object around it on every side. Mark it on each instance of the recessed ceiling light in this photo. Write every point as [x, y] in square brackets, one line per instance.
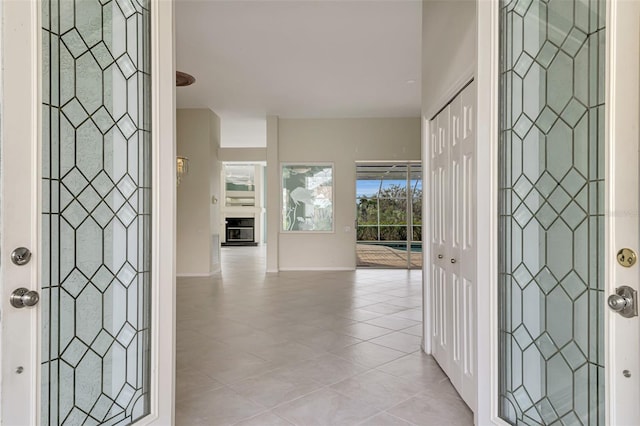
[184, 79]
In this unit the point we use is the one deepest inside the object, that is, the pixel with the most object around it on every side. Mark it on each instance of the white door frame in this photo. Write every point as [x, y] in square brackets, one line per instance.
[487, 74]
[19, 142]
[621, 210]
[163, 213]
[20, 99]
[622, 73]
[426, 235]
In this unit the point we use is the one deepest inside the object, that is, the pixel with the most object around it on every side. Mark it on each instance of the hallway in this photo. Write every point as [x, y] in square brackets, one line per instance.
[306, 348]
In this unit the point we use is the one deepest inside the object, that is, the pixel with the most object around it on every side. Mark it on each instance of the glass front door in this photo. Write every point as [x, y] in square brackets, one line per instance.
[96, 216]
[551, 226]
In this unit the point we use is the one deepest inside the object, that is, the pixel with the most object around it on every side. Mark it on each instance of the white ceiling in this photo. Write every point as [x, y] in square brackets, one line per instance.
[298, 58]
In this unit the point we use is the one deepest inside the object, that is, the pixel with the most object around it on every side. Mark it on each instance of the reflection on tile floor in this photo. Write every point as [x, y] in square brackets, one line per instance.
[306, 348]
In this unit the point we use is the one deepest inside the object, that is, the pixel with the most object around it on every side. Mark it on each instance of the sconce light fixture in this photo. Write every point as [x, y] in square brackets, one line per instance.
[182, 167]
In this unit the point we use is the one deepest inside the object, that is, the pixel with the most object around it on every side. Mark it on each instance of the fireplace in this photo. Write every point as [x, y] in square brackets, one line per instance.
[240, 231]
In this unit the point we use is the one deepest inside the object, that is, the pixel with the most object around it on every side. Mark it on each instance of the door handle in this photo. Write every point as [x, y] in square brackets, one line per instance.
[624, 302]
[22, 297]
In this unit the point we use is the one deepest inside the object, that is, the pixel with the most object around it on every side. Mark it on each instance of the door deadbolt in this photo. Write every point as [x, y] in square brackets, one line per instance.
[624, 302]
[626, 257]
[22, 297]
[21, 256]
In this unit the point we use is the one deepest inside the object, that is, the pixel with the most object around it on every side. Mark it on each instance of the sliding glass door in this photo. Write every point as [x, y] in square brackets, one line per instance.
[389, 215]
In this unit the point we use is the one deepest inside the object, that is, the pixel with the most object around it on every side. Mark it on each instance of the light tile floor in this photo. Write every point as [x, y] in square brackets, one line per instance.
[306, 348]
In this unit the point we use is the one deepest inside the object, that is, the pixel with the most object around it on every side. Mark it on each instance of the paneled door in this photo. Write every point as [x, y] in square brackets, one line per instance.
[453, 248]
[441, 291]
[462, 252]
[84, 290]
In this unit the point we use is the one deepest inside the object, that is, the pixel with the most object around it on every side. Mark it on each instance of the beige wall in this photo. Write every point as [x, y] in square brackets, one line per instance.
[341, 142]
[242, 154]
[273, 194]
[198, 219]
[448, 50]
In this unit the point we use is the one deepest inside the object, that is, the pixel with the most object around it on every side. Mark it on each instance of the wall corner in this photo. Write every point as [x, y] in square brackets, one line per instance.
[273, 194]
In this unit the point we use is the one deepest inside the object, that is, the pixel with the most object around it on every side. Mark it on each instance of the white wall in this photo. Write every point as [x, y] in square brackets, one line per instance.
[198, 219]
[341, 142]
[448, 50]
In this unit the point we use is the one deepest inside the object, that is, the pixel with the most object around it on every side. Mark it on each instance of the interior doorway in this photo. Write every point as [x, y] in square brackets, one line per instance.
[389, 215]
[243, 209]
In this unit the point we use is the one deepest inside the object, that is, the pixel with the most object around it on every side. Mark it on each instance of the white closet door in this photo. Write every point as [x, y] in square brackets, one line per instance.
[454, 211]
[453, 266]
[464, 212]
[441, 223]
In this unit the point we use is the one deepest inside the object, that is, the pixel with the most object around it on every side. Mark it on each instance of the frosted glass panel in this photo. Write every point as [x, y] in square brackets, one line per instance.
[96, 211]
[551, 211]
[307, 197]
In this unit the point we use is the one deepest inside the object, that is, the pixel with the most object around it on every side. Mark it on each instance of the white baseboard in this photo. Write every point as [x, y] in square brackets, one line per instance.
[196, 275]
[317, 268]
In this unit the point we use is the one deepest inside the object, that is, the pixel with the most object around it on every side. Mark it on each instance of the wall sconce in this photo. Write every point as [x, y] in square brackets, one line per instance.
[182, 167]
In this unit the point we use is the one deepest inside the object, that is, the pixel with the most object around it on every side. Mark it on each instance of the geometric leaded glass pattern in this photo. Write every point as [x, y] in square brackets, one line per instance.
[96, 211]
[552, 56]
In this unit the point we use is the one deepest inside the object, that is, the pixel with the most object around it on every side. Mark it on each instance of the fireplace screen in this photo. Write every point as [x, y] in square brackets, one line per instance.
[240, 230]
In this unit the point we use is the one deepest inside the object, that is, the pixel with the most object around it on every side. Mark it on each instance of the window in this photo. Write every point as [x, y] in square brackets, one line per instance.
[307, 197]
